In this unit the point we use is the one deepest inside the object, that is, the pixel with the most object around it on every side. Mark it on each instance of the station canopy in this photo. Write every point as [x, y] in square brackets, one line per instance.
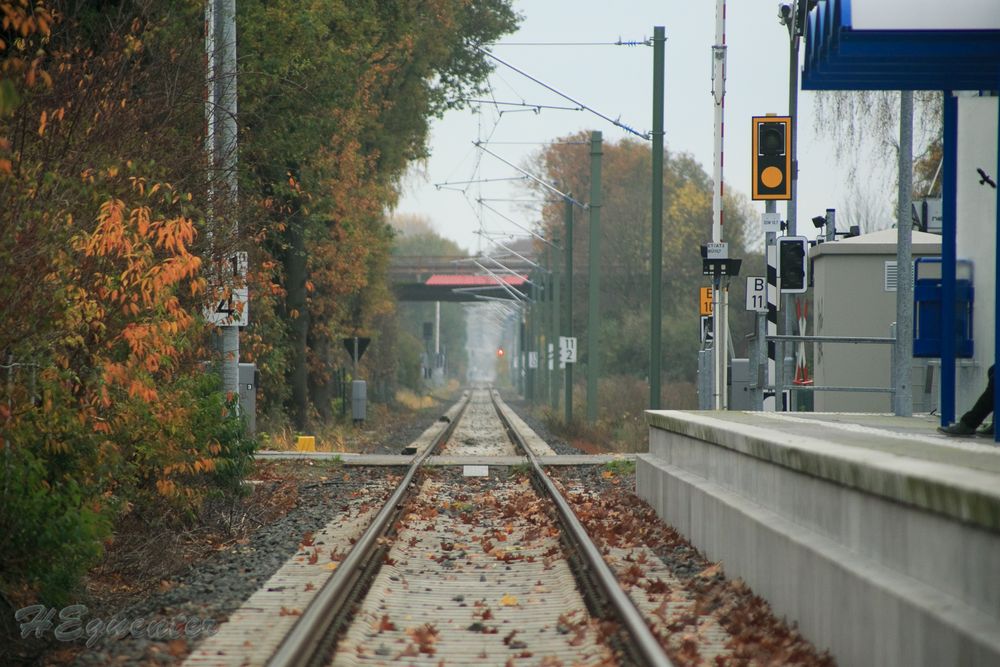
[903, 45]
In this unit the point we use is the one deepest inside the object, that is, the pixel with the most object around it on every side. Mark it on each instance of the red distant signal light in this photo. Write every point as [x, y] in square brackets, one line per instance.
[499, 351]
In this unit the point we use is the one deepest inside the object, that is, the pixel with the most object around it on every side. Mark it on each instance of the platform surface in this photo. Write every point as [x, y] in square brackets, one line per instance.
[900, 458]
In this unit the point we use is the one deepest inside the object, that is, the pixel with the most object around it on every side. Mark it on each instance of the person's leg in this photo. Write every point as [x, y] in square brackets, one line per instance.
[983, 406]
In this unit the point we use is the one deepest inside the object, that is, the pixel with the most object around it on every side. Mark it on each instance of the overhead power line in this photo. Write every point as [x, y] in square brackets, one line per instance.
[519, 225]
[535, 143]
[536, 179]
[447, 184]
[535, 107]
[614, 121]
[620, 42]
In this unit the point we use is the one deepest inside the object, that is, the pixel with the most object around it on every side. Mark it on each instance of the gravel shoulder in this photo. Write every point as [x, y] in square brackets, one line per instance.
[177, 580]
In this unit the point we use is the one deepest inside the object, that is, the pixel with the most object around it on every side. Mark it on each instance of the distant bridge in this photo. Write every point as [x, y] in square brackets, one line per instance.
[457, 278]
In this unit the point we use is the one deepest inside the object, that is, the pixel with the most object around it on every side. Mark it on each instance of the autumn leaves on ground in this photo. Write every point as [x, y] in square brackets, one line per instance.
[108, 415]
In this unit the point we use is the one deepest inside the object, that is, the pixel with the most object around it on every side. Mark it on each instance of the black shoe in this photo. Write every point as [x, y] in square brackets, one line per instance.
[958, 429]
[986, 431]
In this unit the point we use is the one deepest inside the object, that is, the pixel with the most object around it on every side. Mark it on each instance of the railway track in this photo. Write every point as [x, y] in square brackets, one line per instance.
[451, 570]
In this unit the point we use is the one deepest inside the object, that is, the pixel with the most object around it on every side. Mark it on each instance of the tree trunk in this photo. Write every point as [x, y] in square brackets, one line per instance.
[298, 312]
[321, 386]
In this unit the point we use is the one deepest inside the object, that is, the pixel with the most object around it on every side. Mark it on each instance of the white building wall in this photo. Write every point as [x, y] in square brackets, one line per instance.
[850, 299]
[976, 233]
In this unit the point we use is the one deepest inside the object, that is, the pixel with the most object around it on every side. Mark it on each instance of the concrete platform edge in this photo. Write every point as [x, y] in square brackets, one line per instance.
[863, 612]
[966, 495]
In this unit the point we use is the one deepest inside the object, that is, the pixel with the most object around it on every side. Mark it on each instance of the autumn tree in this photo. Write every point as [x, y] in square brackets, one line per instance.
[106, 407]
[864, 128]
[338, 97]
[625, 254]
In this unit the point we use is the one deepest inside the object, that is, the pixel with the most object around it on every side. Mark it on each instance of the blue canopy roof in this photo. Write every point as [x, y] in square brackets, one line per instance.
[843, 56]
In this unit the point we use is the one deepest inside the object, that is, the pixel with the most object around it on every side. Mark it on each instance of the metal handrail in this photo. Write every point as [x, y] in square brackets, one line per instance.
[833, 339]
[758, 363]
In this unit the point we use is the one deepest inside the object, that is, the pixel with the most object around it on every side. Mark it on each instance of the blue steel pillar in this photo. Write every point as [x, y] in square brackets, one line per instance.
[996, 281]
[949, 191]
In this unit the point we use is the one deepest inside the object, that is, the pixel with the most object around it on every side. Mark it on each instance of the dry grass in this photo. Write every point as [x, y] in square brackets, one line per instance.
[328, 439]
[414, 401]
[341, 437]
[621, 423]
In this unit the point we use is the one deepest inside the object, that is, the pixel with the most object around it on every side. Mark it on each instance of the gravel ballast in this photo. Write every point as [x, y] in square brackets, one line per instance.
[215, 587]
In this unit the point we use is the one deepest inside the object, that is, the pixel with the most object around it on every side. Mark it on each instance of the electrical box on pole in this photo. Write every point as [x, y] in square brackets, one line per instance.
[793, 264]
[772, 157]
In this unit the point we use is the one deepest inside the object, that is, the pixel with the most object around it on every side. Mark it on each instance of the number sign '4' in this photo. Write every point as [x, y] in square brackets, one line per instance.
[229, 305]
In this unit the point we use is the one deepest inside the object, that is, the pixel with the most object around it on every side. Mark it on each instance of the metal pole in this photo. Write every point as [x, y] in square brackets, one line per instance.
[893, 360]
[996, 297]
[949, 190]
[221, 139]
[594, 261]
[556, 329]
[437, 330]
[543, 320]
[210, 101]
[568, 375]
[771, 250]
[522, 355]
[790, 214]
[716, 346]
[537, 323]
[903, 367]
[532, 373]
[760, 353]
[779, 381]
[656, 275]
[719, 98]
[718, 210]
[723, 343]
[522, 371]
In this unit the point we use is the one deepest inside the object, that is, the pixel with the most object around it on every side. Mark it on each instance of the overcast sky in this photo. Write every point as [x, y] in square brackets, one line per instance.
[617, 81]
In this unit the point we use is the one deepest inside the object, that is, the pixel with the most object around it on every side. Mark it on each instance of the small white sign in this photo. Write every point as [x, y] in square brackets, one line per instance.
[786, 400]
[756, 293]
[233, 310]
[567, 350]
[771, 223]
[718, 251]
[475, 471]
[551, 356]
[707, 330]
[532, 360]
[238, 264]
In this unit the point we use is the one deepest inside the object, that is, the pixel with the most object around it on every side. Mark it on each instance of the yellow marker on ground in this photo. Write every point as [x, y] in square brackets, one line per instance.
[305, 443]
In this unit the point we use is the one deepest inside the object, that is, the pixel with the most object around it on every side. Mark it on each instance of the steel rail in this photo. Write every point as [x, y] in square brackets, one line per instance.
[645, 643]
[310, 632]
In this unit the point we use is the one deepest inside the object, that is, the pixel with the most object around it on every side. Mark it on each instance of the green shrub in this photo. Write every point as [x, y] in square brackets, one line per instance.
[52, 530]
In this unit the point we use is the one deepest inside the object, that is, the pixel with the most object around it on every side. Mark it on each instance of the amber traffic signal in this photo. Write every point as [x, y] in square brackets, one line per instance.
[772, 157]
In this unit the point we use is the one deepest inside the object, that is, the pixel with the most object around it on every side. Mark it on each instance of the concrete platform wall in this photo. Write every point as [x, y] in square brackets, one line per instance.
[875, 581]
